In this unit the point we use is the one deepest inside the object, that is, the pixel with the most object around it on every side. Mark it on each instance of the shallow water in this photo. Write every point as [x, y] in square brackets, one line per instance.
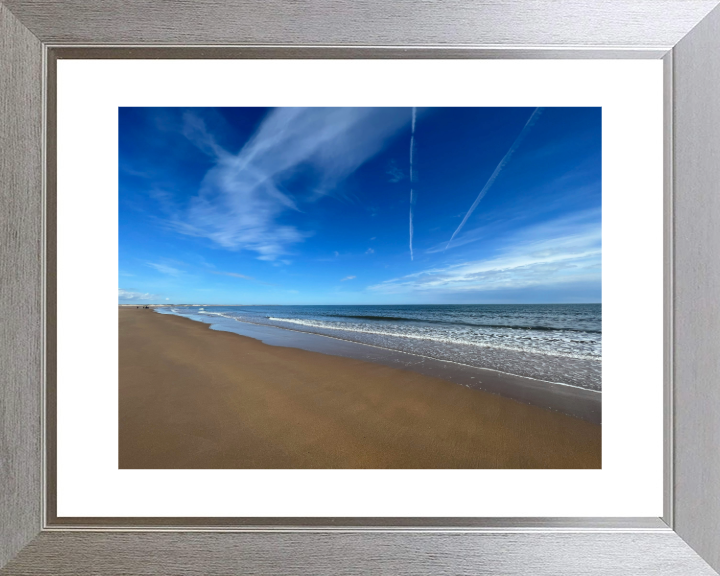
[557, 343]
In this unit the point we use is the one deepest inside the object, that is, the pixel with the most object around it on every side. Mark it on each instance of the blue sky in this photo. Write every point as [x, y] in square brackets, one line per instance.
[314, 206]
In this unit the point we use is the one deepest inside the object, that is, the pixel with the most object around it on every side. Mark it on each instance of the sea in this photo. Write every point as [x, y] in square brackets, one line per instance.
[560, 343]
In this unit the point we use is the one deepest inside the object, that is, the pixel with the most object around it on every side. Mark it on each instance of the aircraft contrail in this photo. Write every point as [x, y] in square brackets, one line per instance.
[498, 169]
[412, 196]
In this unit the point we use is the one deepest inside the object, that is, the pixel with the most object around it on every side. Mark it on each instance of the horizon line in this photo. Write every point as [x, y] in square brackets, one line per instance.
[408, 304]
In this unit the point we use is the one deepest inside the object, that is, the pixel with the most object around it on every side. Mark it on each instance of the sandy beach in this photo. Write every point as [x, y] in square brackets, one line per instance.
[192, 397]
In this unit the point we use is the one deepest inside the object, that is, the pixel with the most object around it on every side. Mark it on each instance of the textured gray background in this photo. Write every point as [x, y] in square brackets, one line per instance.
[697, 288]
[72, 554]
[20, 284]
[362, 22]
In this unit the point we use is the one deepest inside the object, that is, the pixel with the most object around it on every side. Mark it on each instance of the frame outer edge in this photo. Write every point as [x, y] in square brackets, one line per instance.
[20, 233]
[656, 23]
[20, 284]
[697, 287]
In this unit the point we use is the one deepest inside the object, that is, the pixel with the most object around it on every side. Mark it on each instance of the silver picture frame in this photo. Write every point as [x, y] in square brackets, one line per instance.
[685, 34]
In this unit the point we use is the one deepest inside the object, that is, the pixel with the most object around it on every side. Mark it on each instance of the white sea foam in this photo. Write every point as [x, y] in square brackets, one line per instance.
[552, 343]
[347, 327]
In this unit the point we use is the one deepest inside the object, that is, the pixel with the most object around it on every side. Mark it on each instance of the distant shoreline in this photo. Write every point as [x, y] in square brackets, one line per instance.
[208, 305]
[473, 304]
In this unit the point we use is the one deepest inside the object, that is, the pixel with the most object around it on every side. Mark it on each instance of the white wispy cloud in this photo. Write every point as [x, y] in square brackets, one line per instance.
[348, 278]
[370, 251]
[165, 200]
[550, 254]
[195, 130]
[164, 269]
[130, 295]
[244, 195]
[241, 276]
[234, 275]
[395, 174]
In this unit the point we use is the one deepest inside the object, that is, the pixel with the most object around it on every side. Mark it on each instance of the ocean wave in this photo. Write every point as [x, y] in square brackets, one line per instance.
[552, 356]
[445, 340]
[461, 323]
[396, 318]
[201, 311]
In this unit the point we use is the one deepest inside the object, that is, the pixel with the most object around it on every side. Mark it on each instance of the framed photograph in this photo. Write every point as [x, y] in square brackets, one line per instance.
[399, 290]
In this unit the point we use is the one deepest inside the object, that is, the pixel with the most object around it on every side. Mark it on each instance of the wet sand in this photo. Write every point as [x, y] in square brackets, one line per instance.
[578, 402]
[191, 397]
